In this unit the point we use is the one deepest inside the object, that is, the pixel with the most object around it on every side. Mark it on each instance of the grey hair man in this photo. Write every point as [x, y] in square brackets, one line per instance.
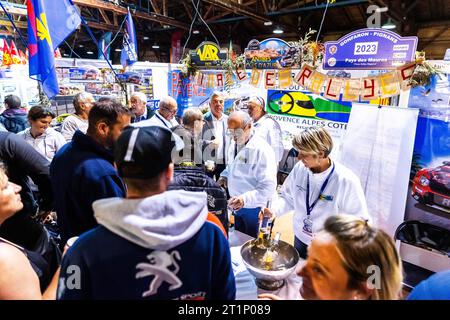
[83, 102]
[214, 134]
[250, 175]
[164, 116]
[264, 126]
[139, 107]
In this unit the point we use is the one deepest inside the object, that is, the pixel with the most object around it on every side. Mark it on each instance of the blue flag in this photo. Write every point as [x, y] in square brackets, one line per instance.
[128, 55]
[104, 45]
[49, 24]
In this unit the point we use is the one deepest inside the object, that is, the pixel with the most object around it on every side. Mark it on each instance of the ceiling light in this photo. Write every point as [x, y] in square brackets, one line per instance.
[118, 50]
[146, 38]
[268, 23]
[195, 32]
[155, 46]
[81, 46]
[89, 52]
[278, 30]
[389, 25]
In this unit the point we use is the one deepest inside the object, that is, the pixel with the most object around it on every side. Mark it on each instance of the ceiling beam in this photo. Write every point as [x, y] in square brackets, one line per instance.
[440, 32]
[19, 24]
[104, 16]
[188, 10]
[238, 8]
[155, 6]
[97, 4]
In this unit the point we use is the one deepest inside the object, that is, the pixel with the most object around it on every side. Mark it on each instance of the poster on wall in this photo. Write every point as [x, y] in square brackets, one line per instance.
[429, 194]
[377, 147]
[297, 110]
[271, 53]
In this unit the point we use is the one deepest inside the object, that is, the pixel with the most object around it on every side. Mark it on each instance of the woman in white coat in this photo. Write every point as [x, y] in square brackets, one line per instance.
[317, 188]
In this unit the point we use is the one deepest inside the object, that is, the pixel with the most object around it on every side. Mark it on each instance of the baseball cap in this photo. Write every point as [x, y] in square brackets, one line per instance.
[144, 152]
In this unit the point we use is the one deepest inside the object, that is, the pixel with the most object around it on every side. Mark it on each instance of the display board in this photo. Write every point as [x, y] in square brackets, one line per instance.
[378, 147]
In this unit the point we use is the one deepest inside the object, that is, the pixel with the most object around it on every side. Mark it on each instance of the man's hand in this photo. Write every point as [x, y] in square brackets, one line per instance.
[223, 182]
[236, 203]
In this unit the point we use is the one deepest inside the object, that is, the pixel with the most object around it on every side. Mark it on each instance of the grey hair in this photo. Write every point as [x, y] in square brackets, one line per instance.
[246, 119]
[166, 101]
[139, 95]
[258, 100]
[190, 115]
[80, 98]
[217, 94]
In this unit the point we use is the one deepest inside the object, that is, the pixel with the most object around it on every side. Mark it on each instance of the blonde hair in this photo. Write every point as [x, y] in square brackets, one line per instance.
[362, 246]
[313, 140]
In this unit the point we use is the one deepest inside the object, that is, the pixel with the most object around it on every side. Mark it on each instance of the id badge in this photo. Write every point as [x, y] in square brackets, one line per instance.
[308, 226]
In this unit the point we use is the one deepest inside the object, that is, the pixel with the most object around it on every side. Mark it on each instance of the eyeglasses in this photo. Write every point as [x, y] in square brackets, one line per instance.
[235, 132]
[169, 111]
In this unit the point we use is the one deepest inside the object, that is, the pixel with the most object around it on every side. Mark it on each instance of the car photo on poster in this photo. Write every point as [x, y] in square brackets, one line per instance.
[431, 186]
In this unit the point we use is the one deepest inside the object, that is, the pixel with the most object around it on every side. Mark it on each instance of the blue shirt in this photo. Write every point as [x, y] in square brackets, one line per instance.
[81, 172]
[111, 267]
[436, 287]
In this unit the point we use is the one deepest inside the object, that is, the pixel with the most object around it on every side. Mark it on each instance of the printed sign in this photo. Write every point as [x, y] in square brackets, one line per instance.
[270, 54]
[368, 49]
[207, 55]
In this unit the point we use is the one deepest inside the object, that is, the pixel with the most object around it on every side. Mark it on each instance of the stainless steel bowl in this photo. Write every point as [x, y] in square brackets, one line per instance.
[281, 267]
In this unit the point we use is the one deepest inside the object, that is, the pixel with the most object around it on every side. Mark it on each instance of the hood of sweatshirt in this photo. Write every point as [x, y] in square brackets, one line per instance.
[159, 222]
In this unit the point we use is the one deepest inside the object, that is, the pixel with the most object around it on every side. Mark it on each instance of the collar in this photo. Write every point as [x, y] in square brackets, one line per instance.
[161, 118]
[144, 114]
[260, 121]
[215, 119]
[85, 142]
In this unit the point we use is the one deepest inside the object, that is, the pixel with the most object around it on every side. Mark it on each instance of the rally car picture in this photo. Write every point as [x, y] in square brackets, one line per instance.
[432, 186]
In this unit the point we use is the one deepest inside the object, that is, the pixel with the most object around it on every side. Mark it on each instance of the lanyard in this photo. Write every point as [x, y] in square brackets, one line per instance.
[309, 208]
[164, 123]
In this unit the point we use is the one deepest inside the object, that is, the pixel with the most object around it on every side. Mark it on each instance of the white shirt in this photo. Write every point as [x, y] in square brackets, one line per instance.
[157, 119]
[253, 173]
[46, 144]
[220, 127]
[344, 191]
[71, 124]
[270, 130]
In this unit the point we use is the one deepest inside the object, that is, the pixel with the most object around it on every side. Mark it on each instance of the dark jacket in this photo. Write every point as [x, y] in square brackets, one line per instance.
[15, 120]
[195, 179]
[81, 172]
[23, 162]
[150, 113]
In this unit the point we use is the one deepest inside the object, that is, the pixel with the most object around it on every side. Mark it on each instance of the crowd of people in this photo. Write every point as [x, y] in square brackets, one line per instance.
[147, 198]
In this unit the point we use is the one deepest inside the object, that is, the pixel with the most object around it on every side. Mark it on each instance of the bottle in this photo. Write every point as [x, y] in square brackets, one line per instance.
[265, 228]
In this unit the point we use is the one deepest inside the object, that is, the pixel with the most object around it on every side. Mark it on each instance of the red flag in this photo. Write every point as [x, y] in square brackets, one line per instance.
[7, 61]
[14, 53]
[23, 57]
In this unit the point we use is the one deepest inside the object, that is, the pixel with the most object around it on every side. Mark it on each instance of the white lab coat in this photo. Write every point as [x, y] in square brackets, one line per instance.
[253, 173]
[344, 187]
[269, 129]
[157, 120]
[71, 124]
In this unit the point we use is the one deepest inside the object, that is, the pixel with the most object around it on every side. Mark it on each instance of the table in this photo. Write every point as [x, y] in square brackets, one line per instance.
[246, 288]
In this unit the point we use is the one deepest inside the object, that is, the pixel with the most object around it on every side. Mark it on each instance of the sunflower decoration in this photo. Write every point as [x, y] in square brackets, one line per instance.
[188, 68]
[423, 72]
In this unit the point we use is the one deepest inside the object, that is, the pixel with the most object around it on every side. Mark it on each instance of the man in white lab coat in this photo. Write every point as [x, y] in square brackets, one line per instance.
[266, 127]
[250, 174]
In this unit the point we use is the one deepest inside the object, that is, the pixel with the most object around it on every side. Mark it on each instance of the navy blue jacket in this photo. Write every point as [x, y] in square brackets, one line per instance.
[81, 172]
[198, 269]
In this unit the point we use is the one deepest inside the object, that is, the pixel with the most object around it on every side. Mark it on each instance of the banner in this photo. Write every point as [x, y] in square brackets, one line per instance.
[369, 49]
[271, 53]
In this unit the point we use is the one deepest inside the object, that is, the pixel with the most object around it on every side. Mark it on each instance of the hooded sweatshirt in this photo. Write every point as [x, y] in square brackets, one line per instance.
[160, 247]
[15, 120]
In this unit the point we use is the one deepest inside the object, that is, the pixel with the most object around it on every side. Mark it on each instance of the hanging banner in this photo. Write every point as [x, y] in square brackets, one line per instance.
[271, 53]
[208, 55]
[369, 49]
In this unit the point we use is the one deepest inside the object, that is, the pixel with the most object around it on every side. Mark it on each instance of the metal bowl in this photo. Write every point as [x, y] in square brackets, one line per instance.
[269, 277]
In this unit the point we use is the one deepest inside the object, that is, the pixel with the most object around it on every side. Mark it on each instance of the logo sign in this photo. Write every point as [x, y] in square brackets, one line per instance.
[270, 54]
[207, 55]
[447, 55]
[369, 49]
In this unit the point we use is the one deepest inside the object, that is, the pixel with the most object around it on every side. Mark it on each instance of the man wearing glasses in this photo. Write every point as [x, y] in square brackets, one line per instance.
[165, 116]
[250, 174]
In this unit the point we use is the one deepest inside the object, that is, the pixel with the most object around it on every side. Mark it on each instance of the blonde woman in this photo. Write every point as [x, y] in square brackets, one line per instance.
[317, 188]
[350, 260]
